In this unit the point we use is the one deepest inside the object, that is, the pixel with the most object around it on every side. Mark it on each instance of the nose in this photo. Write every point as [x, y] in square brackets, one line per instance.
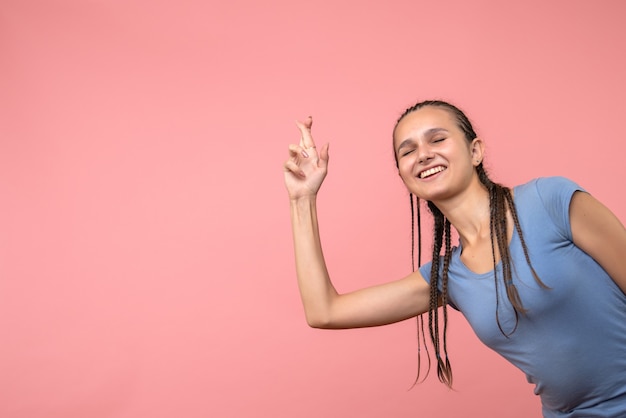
[424, 154]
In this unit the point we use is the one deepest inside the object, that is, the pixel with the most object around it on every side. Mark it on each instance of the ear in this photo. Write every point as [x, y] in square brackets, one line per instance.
[477, 150]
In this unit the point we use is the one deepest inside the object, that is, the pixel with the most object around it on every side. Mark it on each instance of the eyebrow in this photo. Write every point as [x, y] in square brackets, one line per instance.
[429, 132]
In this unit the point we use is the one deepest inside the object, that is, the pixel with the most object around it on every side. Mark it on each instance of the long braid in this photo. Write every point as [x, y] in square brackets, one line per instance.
[433, 311]
[492, 227]
[501, 239]
[421, 337]
[413, 231]
[501, 199]
[442, 232]
[444, 370]
[503, 246]
[513, 211]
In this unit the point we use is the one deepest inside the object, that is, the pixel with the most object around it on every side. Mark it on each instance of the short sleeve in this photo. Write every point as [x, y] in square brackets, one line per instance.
[425, 271]
[556, 194]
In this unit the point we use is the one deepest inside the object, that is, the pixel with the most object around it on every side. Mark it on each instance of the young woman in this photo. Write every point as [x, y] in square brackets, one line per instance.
[539, 270]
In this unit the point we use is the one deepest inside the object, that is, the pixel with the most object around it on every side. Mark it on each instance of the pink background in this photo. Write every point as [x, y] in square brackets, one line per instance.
[145, 248]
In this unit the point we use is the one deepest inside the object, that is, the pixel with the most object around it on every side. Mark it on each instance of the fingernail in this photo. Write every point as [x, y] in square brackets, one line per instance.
[305, 154]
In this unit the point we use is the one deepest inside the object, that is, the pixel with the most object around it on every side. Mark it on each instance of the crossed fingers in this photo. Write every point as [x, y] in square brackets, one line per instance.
[303, 149]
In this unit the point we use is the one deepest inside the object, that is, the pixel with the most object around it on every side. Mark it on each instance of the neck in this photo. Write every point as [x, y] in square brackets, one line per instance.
[468, 212]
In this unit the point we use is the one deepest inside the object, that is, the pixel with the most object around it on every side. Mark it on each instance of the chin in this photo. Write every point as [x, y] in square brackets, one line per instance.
[434, 196]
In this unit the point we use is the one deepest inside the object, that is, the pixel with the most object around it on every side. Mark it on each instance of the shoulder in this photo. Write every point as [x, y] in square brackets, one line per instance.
[549, 196]
[546, 186]
[549, 191]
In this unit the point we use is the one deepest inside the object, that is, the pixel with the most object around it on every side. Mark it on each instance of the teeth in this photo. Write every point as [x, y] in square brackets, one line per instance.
[431, 171]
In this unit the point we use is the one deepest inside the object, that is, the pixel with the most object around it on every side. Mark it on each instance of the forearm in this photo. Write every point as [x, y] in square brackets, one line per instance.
[316, 289]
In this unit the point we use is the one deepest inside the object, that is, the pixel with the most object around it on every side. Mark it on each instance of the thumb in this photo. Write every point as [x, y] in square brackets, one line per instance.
[323, 156]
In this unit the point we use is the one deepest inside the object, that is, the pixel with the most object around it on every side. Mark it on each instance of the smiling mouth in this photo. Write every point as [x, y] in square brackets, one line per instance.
[431, 171]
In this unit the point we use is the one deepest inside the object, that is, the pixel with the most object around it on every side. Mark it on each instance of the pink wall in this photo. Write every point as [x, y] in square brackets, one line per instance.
[145, 251]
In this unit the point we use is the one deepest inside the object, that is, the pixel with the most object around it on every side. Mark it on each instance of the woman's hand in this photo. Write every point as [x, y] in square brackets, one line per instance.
[306, 168]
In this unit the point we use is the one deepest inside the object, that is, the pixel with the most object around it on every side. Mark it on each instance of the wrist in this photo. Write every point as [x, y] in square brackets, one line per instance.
[303, 200]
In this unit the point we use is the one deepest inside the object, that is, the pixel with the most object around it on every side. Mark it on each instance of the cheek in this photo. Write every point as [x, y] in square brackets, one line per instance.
[404, 168]
[406, 175]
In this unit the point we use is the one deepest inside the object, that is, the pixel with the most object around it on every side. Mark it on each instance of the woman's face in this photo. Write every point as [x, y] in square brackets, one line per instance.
[435, 160]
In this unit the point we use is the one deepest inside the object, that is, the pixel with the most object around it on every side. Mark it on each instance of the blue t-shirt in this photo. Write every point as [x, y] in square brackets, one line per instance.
[572, 342]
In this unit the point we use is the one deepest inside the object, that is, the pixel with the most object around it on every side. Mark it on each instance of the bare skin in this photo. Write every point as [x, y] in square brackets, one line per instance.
[428, 143]
[598, 232]
[324, 307]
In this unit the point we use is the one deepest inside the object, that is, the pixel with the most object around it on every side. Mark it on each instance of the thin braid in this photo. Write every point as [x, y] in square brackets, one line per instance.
[503, 244]
[413, 232]
[415, 207]
[501, 236]
[492, 227]
[513, 210]
[434, 278]
[444, 370]
[500, 199]
[421, 335]
[419, 263]
[419, 226]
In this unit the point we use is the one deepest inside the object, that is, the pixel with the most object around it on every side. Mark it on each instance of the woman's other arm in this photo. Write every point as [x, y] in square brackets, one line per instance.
[598, 232]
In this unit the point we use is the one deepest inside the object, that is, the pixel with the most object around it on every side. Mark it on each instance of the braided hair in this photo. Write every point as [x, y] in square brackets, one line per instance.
[500, 200]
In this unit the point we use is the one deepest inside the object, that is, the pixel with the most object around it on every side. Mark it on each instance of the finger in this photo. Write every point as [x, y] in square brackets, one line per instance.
[296, 150]
[292, 167]
[324, 156]
[306, 139]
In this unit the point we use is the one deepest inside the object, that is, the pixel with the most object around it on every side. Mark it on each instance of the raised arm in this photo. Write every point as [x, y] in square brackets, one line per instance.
[324, 307]
[598, 232]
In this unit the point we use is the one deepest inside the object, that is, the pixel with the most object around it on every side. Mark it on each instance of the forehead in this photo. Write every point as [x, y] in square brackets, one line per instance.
[418, 122]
